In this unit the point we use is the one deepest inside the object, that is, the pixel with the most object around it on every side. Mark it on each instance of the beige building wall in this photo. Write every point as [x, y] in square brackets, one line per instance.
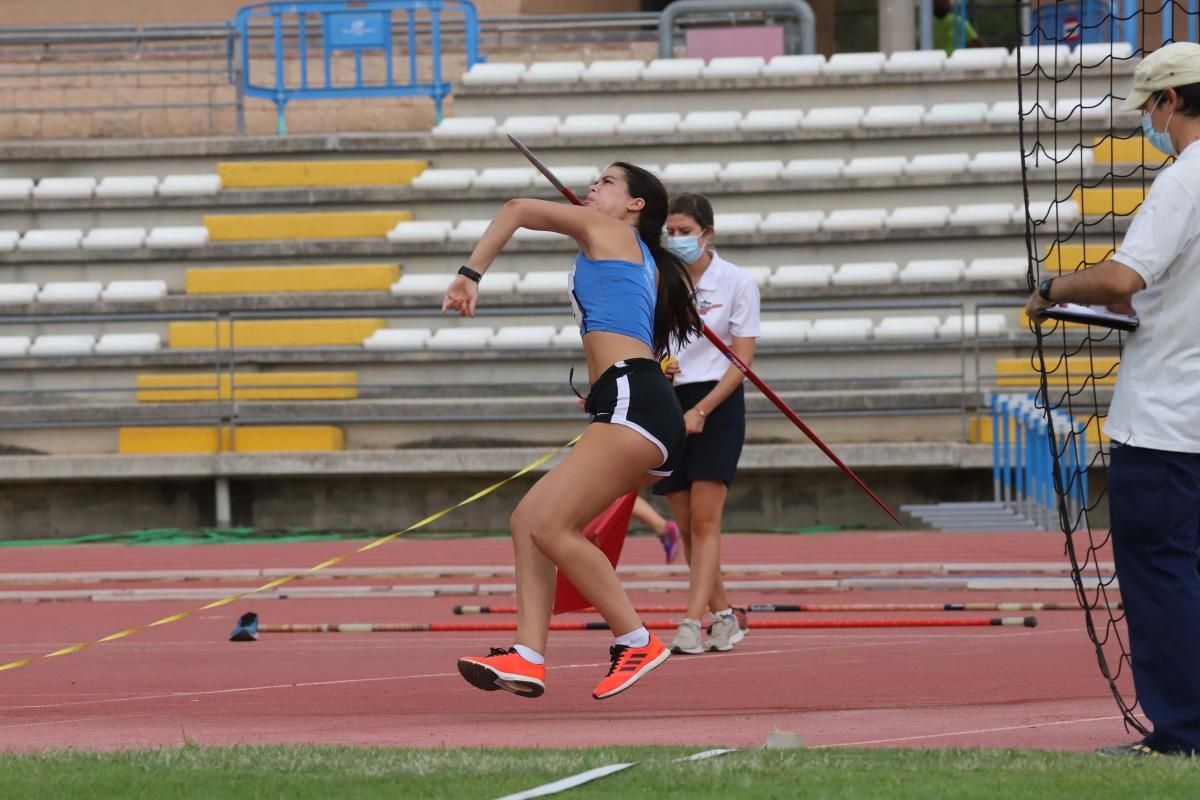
[141, 82]
[144, 12]
[122, 83]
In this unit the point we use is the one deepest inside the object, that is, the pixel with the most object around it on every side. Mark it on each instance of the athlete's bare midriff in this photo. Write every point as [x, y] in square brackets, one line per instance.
[604, 348]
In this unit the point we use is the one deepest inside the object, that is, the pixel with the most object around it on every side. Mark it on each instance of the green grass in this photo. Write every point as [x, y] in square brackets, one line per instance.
[298, 773]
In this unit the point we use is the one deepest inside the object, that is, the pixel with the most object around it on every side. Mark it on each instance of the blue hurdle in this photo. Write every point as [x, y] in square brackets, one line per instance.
[1026, 459]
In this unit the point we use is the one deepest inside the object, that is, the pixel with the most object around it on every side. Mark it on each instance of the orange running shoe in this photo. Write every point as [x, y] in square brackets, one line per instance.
[504, 669]
[629, 665]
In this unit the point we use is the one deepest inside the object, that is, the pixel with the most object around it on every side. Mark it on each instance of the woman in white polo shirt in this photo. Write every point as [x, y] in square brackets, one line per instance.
[710, 391]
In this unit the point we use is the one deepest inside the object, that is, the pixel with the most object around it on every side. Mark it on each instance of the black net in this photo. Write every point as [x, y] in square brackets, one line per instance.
[1086, 170]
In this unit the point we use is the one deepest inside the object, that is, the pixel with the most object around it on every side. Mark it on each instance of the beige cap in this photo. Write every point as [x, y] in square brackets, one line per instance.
[1175, 65]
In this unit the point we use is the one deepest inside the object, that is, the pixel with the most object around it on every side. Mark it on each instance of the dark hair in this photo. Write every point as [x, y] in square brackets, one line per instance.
[675, 314]
[1189, 99]
[695, 206]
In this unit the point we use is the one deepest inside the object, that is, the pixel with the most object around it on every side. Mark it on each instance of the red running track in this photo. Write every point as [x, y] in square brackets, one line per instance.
[991, 687]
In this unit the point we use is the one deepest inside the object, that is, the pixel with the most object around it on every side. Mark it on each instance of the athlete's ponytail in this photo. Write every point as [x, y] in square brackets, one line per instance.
[675, 314]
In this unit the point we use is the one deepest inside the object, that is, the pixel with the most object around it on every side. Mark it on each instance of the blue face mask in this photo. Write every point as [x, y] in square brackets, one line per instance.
[686, 247]
[1160, 140]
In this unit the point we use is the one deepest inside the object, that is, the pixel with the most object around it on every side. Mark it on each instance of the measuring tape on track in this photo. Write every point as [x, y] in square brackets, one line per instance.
[112, 637]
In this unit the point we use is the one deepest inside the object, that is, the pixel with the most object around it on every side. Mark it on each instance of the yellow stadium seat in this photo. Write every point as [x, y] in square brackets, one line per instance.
[287, 438]
[1128, 151]
[1063, 258]
[262, 439]
[196, 387]
[272, 333]
[268, 280]
[980, 431]
[1096, 202]
[277, 174]
[146, 441]
[1019, 372]
[314, 225]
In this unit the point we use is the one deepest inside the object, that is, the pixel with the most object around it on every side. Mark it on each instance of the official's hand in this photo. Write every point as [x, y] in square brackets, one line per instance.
[692, 421]
[1035, 306]
[1122, 307]
[461, 296]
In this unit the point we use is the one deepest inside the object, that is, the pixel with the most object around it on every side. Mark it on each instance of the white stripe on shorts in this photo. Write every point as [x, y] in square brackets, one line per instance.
[621, 410]
[621, 417]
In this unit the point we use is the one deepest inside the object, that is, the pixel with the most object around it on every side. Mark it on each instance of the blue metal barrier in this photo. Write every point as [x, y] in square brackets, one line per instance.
[1093, 21]
[1076, 23]
[362, 28]
[1023, 459]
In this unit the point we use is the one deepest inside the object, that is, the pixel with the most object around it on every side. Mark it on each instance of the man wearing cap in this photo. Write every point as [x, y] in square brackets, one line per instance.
[1154, 418]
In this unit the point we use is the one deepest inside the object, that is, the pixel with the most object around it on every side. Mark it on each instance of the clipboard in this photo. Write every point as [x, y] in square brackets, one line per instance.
[1092, 315]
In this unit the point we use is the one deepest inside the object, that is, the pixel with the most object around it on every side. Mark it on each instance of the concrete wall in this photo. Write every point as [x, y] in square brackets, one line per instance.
[62, 510]
[758, 501]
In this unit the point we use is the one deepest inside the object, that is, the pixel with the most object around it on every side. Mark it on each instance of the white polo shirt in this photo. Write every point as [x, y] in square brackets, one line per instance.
[1156, 403]
[727, 298]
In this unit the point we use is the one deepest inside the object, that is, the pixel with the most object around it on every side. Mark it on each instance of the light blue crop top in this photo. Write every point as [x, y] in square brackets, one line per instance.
[615, 295]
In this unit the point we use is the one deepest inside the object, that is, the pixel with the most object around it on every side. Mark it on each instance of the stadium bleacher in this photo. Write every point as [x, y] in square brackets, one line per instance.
[881, 216]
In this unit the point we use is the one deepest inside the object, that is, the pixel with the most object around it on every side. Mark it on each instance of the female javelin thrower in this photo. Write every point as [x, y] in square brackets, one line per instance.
[630, 297]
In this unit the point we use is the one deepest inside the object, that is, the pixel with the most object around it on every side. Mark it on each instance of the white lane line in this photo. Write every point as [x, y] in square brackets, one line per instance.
[568, 783]
[340, 682]
[971, 732]
[600, 772]
[725, 657]
[70, 721]
[705, 754]
[235, 690]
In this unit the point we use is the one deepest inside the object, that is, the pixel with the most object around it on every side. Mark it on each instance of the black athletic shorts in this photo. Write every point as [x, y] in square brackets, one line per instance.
[712, 454]
[636, 394]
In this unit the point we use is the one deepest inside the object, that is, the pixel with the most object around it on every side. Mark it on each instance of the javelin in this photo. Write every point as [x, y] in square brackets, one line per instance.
[729, 354]
[477, 627]
[817, 608]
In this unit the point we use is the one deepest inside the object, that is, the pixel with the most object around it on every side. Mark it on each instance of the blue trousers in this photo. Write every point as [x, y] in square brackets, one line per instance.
[1154, 505]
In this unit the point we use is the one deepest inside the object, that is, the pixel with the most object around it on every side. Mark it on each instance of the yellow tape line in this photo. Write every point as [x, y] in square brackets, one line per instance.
[382, 540]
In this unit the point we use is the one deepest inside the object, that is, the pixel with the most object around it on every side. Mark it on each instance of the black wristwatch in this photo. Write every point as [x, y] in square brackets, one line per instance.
[469, 273]
[1044, 289]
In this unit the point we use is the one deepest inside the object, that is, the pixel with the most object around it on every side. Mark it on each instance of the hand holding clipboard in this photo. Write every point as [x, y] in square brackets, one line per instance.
[1092, 315]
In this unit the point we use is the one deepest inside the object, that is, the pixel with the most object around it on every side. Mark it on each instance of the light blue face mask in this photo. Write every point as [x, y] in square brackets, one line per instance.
[1159, 139]
[686, 247]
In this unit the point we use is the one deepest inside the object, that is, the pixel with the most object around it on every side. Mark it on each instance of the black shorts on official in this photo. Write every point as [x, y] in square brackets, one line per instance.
[636, 394]
[712, 454]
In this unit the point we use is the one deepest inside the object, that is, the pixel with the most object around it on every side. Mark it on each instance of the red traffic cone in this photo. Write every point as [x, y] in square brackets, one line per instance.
[607, 532]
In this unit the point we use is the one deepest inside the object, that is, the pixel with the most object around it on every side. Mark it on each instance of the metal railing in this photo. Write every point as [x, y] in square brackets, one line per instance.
[800, 26]
[366, 30]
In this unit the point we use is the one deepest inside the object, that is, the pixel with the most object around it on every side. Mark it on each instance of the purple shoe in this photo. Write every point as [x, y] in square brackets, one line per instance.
[670, 541]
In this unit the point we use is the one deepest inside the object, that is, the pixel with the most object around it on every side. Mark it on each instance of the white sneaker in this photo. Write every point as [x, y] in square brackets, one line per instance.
[724, 633]
[687, 639]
